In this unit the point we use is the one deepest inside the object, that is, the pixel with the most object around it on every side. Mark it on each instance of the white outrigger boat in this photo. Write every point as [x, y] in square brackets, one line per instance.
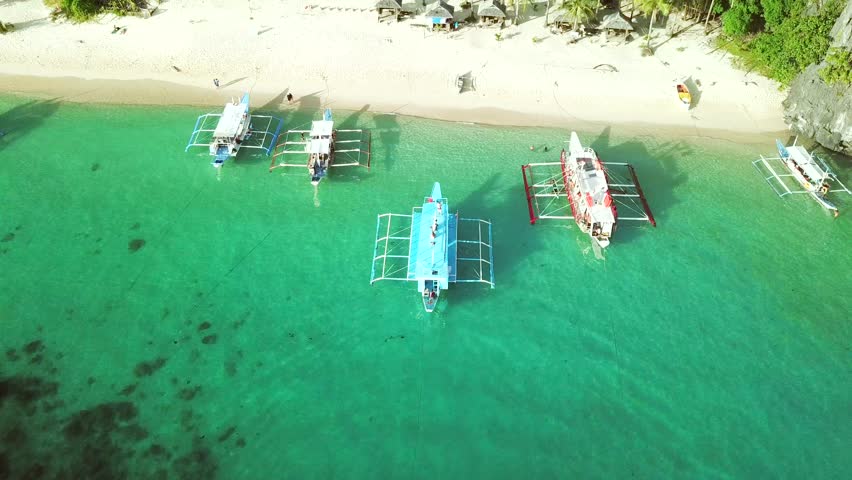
[425, 247]
[810, 173]
[235, 129]
[325, 148]
[593, 189]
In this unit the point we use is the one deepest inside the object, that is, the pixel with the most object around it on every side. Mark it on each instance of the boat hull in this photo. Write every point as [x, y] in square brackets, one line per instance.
[431, 295]
[822, 201]
[684, 96]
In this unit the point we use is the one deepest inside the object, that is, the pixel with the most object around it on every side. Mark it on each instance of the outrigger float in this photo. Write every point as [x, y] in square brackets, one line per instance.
[595, 192]
[425, 247]
[325, 147]
[809, 173]
[235, 128]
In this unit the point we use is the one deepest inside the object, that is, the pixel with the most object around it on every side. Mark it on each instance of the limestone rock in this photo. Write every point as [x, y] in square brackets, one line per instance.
[818, 110]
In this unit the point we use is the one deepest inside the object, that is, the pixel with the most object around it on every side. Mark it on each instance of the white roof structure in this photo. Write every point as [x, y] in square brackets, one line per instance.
[593, 184]
[319, 145]
[804, 160]
[321, 136]
[321, 128]
[229, 122]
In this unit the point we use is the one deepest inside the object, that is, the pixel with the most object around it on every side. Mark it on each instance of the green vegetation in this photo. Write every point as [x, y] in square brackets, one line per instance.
[6, 27]
[579, 10]
[777, 37]
[652, 7]
[82, 10]
[838, 68]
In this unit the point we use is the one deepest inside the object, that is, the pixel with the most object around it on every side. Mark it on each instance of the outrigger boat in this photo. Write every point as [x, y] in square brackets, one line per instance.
[684, 96]
[325, 148]
[594, 190]
[810, 172]
[235, 129]
[425, 247]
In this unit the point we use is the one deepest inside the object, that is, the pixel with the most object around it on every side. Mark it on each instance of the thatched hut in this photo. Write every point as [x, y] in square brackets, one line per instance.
[615, 21]
[493, 13]
[566, 22]
[441, 14]
[389, 8]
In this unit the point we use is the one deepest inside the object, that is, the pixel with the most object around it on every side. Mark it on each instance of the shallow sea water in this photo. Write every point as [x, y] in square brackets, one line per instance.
[163, 321]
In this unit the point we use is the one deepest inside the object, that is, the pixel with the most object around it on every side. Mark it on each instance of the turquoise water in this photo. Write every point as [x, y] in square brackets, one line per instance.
[163, 321]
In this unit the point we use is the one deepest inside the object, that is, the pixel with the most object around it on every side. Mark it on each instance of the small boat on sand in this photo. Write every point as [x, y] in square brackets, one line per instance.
[683, 95]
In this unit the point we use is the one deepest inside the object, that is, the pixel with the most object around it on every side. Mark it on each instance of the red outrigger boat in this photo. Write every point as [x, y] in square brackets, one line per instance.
[596, 195]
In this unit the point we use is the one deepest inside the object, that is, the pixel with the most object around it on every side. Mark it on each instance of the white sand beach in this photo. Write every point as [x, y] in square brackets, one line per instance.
[335, 53]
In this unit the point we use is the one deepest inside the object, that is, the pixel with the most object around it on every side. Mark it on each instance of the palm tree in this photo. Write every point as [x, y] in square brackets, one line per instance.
[579, 10]
[652, 7]
[709, 11]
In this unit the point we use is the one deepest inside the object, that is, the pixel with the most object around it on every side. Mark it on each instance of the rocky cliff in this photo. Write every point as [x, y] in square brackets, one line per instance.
[818, 110]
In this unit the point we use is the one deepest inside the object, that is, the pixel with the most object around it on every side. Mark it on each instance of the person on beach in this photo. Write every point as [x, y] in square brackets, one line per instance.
[545, 148]
[289, 98]
[216, 82]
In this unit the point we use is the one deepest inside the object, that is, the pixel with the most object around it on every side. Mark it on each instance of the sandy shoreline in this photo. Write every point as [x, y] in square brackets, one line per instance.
[156, 92]
[272, 48]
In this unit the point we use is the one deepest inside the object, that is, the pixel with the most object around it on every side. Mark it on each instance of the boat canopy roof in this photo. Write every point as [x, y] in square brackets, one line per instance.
[806, 161]
[319, 145]
[229, 122]
[430, 260]
[321, 128]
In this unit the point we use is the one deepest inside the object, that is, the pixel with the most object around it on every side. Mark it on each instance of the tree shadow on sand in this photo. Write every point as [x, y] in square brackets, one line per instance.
[658, 176]
[16, 122]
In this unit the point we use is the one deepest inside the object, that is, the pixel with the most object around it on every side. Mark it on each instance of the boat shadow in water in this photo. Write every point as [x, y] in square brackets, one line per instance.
[658, 174]
[19, 120]
[300, 117]
[513, 238]
[388, 133]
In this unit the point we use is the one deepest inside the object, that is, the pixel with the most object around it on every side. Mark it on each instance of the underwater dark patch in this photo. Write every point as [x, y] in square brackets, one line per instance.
[135, 226]
[26, 390]
[14, 436]
[188, 394]
[134, 245]
[209, 339]
[95, 167]
[34, 347]
[204, 326]
[146, 369]
[128, 390]
[227, 433]
[8, 237]
[199, 463]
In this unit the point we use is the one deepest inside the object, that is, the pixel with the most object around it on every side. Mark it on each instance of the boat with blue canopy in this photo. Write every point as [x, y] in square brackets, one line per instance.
[427, 247]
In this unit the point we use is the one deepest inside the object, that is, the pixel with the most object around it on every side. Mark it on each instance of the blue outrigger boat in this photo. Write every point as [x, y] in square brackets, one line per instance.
[424, 247]
[235, 128]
